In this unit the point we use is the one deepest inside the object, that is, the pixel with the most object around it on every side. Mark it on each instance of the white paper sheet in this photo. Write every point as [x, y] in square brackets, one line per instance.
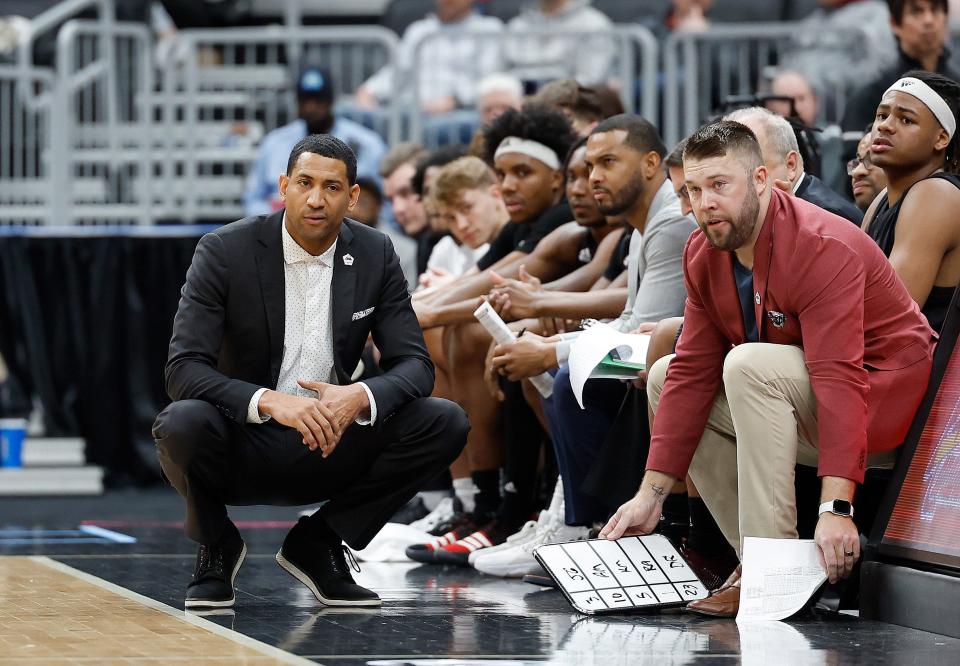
[779, 577]
[593, 345]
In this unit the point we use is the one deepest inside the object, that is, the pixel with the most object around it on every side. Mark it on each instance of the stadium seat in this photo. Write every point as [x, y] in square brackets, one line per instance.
[401, 13]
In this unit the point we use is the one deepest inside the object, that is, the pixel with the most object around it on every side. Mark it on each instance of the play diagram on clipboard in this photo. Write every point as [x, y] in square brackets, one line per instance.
[631, 573]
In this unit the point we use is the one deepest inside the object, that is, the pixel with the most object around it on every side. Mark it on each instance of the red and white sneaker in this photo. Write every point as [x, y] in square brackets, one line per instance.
[427, 552]
[459, 552]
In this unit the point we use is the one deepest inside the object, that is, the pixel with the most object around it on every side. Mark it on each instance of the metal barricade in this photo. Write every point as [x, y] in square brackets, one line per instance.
[702, 69]
[626, 57]
[226, 88]
[33, 181]
[25, 182]
[101, 124]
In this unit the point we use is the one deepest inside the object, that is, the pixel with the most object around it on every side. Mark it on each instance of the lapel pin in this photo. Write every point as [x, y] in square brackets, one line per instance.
[756, 298]
[348, 260]
[778, 319]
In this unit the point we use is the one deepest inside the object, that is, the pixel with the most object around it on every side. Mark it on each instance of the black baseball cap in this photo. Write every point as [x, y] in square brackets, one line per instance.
[314, 82]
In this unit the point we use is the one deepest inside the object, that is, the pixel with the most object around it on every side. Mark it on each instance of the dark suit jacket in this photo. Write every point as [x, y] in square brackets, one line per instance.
[228, 332]
[868, 349]
[813, 190]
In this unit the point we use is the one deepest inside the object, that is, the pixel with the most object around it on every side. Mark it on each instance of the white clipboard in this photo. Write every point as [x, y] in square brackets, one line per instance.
[630, 574]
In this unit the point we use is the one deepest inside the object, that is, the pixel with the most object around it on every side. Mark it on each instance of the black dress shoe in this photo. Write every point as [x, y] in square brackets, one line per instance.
[319, 563]
[217, 567]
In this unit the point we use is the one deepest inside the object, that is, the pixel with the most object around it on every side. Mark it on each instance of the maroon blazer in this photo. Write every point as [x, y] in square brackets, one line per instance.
[868, 349]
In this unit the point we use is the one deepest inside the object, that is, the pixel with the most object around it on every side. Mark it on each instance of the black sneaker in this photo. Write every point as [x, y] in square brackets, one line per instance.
[320, 564]
[217, 567]
[411, 511]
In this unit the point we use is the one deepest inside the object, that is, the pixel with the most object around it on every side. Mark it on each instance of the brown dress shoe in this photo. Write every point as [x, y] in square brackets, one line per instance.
[723, 602]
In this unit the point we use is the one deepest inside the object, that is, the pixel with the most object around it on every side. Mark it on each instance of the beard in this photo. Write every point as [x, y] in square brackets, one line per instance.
[624, 200]
[741, 227]
[319, 125]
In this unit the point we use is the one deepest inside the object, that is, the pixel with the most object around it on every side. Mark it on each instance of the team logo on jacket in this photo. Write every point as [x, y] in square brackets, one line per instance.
[348, 260]
[778, 319]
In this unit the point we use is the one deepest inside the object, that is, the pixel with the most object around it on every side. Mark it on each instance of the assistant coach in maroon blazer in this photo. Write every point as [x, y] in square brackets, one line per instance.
[799, 345]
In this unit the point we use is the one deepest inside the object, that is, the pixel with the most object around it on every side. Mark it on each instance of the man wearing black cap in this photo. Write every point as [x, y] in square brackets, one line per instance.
[315, 116]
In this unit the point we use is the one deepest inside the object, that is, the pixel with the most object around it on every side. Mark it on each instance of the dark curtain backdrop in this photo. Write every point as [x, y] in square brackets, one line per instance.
[85, 324]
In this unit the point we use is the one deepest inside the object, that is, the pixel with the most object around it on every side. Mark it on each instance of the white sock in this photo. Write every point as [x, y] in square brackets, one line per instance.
[464, 489]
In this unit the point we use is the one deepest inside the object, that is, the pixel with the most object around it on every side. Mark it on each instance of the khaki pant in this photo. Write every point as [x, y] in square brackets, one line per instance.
[763, 423]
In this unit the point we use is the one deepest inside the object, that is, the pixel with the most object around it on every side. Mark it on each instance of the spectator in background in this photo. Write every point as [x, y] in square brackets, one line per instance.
[867, 180]
[447, 70]
[497, 93]
[788, 83]
[842, 44]
[315, 116]
[920, 27]
[398, 168]
[781, 155]
[539, 57]
[689, 16]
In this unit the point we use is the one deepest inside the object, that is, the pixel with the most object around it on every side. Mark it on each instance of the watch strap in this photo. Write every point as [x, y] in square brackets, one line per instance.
[828, 507]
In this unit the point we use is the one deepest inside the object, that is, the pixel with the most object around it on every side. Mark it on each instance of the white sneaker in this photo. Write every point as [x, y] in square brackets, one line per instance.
[442, 513]
[546, 517]
[526, 532]
[518, 561]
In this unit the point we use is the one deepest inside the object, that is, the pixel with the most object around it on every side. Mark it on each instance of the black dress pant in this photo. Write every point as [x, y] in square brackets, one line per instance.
[213, 462]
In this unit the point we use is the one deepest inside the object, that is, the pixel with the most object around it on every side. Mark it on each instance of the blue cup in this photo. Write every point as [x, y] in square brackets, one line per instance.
[12, 434]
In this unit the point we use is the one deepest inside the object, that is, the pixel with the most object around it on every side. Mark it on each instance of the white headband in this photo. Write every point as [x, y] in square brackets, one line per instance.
[931, 99]
[534, 149]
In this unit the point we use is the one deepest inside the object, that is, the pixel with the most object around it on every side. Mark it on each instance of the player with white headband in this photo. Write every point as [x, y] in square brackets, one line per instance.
[915, 221]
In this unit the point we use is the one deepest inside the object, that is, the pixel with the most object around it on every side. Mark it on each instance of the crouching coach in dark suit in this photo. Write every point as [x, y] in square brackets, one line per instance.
[272, 320]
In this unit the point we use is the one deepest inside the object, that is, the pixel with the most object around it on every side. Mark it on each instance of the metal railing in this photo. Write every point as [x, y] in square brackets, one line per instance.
[702, 69]
[225, 81]
[25, 181]
[101, 124]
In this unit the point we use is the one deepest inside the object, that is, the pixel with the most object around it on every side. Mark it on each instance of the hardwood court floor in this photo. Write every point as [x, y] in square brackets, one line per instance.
[53, 614]
[105, 599]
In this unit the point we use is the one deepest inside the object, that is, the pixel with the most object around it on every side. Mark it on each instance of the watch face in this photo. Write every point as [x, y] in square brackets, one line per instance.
[842, 507]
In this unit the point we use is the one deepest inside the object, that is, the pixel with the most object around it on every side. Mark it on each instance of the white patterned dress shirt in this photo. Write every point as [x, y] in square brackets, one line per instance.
[307, 327]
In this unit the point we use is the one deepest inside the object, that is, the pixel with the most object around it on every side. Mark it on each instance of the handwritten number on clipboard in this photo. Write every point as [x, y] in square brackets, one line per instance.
[573, 574]
[600, 572]
[672, 562]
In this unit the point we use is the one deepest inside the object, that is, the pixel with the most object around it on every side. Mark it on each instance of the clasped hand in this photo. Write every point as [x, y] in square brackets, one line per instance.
[321, 421]
[515, 299]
